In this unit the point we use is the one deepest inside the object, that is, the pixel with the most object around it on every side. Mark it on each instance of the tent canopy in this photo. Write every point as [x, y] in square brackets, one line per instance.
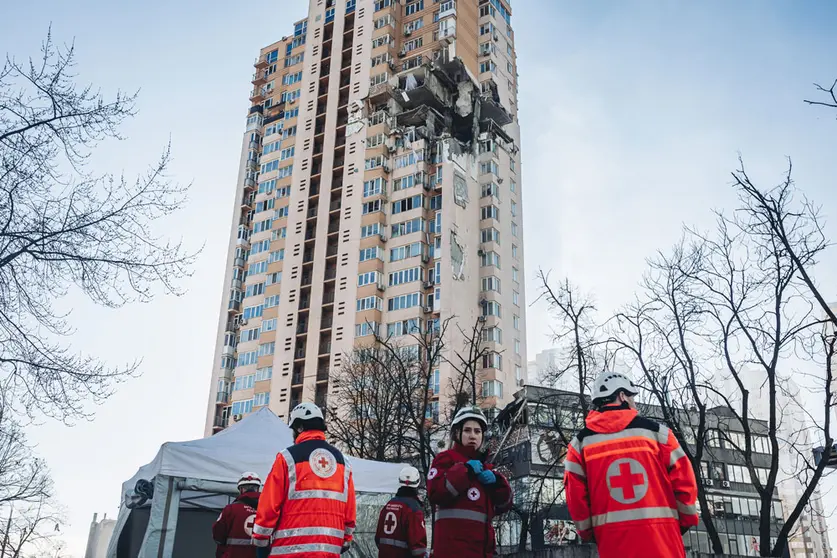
[249, 445]
[200, 475]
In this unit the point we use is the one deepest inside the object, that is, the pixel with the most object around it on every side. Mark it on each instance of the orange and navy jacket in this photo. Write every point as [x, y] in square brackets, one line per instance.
[234, 526]
[401, 529]
[307, 505]
[630, 486]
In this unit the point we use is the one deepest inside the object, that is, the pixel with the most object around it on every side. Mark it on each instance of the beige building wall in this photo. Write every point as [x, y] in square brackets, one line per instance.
[368, 87]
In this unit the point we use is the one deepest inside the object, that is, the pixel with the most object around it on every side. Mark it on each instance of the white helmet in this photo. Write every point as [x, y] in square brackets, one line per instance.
[609, 383]
[305, 411]
[409, 476]
[249, 478]
[470, 413]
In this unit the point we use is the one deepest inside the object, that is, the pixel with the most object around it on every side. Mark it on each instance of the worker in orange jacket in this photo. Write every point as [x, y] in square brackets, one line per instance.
[307, 506]
[629, 485]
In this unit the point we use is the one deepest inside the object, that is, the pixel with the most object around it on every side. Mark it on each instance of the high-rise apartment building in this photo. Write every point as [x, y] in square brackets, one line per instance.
[379, 190]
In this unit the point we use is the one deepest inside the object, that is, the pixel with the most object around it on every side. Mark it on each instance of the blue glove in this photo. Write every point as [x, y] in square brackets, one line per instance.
[487, 477]
[475, 466]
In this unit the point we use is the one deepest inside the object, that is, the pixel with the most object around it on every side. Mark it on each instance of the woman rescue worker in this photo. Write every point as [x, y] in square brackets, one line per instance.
[465, 492]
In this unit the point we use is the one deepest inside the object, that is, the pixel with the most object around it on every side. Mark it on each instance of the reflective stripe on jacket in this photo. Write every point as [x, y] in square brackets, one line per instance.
[464, 506]
[630, 486]
[234, 526]
[308, 502]
[401, 529]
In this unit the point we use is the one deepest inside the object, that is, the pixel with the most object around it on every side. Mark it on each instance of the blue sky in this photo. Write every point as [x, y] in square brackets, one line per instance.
[632, 113]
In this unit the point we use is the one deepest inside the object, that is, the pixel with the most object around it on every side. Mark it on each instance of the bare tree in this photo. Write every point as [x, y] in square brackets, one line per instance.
[468, 364]
[727, 311]
[830, 99]
[64, 227]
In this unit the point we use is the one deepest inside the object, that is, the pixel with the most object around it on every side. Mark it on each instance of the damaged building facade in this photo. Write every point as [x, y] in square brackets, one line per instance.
[379, 191]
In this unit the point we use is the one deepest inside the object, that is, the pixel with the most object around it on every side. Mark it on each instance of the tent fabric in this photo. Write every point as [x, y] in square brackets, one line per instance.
[248, 445]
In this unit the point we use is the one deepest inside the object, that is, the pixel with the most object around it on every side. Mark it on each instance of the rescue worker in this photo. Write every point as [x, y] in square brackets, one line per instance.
[465, 492]
[401, 530]
[629, 485]
[232, 530]
[307, 506]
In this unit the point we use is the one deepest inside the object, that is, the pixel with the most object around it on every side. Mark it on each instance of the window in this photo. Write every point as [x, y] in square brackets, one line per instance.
[491, 284]
[372, 253]
[258, 267]
[490, 212]
[276, 256]
[489, 167]
[261, 399]
[374, 162]
[491, 308]
[492, 388]
[516, 298]
[242, 407]
[267, 349]
[368, 278]
[405, 327]
[413, 7]
[370, 303]
[486, 49]
[488, 66]
[435, 385]
[516, 322]
[515, 276]
[408, 227]
[490, 235]
[371, 207]
[375, 140]
[248, 335]
[383, 21]
[381, 4]
[374, 187]
[492, 334]
[273, 278]
[492, 360]
[254, 290]
[405, 301]
[248, 358]
[280, 233]
[436, 202]
[286, 153]
[490, 259]
[366, 328]
[381, 41]
[381, 59]
[412, 45]
[264, 205]
[271, 301]
[265, 373]
[292, 113]
[407, 204]
[407, 181]
[262, 226]
[410, 158]
[517, 346]
[290, 79]
[490, 190]
[281, 212]
[403, 252]
[512, 186]
[290, 132]
[406, 276]
[268, 325]
[514, 209]
[378, 79]
[413, 25]
[514, 229]
[514, 251]
[370, 230]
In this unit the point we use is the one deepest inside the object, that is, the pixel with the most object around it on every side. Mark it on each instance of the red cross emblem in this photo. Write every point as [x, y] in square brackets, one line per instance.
[627, 481]
[322, 463]
[390, 523]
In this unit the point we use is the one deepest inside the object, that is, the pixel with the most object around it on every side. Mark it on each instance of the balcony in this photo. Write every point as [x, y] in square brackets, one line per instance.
[259, 78]
[257, 95]
[297, 379]
[252, 165]
[238, 262]
[261, 62]
[222, 397]
[322, 374]
[324, 349]
[231, 326]
[299, 354]
[236, 283]
[234, 306]
[220, 422]
[249, 182]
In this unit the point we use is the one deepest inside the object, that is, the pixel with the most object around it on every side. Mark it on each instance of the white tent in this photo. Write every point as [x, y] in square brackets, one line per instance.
[202, 474]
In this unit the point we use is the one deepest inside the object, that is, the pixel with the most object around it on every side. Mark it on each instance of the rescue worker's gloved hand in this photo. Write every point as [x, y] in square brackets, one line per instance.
[487, 477]
[475, 466]
[346, 546]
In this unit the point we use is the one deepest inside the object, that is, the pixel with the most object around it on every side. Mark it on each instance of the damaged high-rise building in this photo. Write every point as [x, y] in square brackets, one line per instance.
[379, 191]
